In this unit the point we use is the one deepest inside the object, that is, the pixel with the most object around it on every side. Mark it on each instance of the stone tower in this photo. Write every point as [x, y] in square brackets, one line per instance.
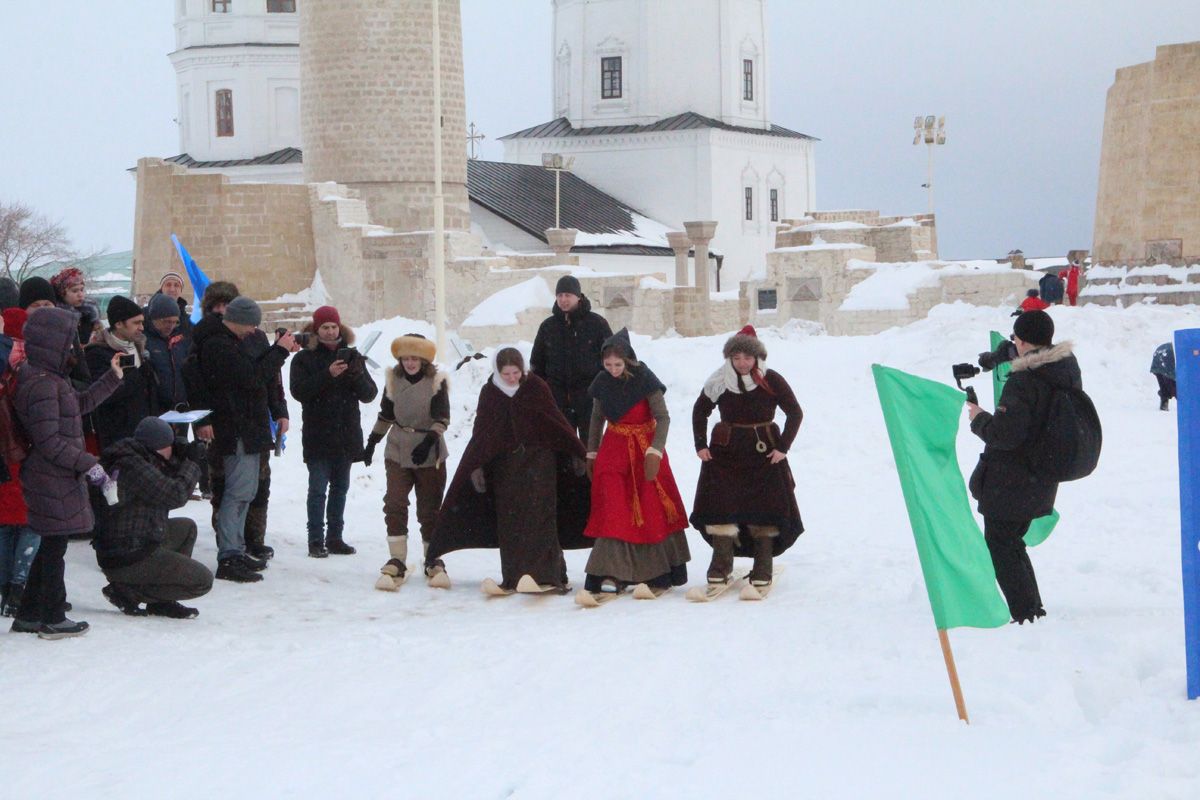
[367, 106]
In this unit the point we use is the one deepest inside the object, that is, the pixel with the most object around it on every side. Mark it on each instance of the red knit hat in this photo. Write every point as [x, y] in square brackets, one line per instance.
[326, 314]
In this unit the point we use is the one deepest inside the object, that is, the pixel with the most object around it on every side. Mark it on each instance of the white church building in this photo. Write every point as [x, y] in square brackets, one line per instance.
[660, 106]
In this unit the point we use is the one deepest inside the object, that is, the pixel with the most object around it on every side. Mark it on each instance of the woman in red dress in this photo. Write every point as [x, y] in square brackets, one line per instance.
[637, 515]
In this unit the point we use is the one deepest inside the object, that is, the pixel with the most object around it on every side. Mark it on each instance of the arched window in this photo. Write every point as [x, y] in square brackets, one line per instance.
[224, 112]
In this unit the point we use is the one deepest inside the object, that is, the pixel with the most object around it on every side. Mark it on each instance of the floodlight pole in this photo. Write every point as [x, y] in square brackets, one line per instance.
[929, 185]
[557, 197]
[439, 205]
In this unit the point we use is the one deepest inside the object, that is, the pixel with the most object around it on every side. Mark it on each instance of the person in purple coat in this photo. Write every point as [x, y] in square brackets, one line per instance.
[56, 472]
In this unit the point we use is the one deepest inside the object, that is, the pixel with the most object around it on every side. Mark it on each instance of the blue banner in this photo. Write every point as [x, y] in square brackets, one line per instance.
[196, 277]
[1187, 404]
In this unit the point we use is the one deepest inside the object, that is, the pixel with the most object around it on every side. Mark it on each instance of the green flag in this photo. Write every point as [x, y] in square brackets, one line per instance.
[922, 418]
[1041, 527]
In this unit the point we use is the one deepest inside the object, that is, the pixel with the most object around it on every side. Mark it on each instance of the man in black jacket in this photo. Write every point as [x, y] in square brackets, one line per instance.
[330, 389]
[237, 388]
[137, 397]
[146, 557]
[566, 351]
[1009, 493]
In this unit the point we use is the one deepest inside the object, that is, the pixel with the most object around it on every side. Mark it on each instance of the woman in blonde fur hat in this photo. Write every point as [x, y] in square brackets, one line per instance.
[413, 415]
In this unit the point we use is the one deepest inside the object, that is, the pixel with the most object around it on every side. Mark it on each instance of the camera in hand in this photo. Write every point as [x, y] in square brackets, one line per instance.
[126, 360]
[1005, 351]
[301, 338]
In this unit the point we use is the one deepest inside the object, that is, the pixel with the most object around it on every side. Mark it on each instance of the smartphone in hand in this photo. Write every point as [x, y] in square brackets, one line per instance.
[126, 361]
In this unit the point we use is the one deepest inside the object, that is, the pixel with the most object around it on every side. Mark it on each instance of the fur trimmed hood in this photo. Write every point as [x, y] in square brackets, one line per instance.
[347, 334]
[1043, 356]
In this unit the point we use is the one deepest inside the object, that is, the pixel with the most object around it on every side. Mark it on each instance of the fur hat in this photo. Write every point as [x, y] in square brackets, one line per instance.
[154, 433]
[745, 341]
[10, 293]
[34, 289]
[161, 307]
[1034, 327]
[620, 344]
[568, 284]
[218, 292]
[243, 311]
[414, 345]
[122, 308]
[326, 314]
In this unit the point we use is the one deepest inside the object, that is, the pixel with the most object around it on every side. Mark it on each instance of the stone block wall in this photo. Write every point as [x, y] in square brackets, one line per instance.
[1148, 200]
[892, 244]
[258, 235]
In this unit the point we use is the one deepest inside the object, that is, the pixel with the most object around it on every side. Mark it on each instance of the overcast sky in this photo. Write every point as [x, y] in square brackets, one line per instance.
[88, 88]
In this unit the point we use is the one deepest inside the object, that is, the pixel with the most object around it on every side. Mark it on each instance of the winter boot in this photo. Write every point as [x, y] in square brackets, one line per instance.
[337, 547]
[171, 609]
[12, 599]
[235, 569]
[23, 626]
[764, 551]
[1164, 405]
[123, 599]
[317, 550]
[391, 574]
[62, 630]
[721, 568]
[260, 551]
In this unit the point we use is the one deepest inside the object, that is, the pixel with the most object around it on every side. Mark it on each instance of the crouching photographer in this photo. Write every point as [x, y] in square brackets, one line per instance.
[147, 557]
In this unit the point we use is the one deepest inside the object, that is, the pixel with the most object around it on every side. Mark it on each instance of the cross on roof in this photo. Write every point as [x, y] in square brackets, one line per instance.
[473, 137]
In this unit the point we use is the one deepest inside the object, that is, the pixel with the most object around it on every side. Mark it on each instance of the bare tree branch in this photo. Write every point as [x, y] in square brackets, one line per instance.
[30, 242]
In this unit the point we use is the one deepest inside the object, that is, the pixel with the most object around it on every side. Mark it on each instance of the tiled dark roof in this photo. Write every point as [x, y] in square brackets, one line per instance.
[524, 195]
[688, 120]
[288, 155]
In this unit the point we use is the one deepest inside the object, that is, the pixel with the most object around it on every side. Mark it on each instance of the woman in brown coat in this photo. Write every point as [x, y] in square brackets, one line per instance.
[745, 499]
[517, 487]
[55, 474]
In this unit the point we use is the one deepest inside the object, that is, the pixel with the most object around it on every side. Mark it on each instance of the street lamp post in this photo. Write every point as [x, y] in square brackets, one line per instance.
[925, 130]
[558, 165]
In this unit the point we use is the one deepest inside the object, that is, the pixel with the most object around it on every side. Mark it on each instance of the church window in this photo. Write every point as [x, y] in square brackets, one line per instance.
[224, 112]
[610, 77]
[281, 6]
[747, 79]
[221, 6]
[749, 203]
[774, 205]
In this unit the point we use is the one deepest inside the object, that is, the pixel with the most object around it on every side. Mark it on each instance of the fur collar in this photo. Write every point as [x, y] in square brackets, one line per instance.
[347, 336]
[1042, 356]
[395, 382]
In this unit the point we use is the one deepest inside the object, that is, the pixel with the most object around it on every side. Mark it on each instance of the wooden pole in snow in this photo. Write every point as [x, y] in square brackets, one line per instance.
[952, 671]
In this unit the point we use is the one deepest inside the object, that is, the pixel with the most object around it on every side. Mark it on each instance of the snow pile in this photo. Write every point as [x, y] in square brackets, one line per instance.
[890, 284]
[503, 307]
[313, 683]
[310, 298]
[845, 225]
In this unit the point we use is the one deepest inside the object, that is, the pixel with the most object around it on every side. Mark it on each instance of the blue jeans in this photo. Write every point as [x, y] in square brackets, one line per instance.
[333, 474]
[241, 485]
[18, 546]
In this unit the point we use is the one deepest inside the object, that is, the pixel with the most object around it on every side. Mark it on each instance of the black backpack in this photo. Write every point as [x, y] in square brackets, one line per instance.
[1068, 447]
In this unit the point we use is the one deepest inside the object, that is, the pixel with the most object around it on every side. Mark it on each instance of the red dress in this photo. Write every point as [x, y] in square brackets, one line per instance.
[625, 505]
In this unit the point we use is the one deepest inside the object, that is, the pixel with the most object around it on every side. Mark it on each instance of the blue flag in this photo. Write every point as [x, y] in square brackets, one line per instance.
[196, 276]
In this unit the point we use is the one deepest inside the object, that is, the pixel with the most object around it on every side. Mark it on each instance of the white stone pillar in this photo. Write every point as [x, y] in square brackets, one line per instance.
[561, 240]
[681, 244]
[701, 233]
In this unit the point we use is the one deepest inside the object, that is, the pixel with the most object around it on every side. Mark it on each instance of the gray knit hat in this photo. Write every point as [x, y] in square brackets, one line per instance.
[162, 307]
[243, 311]
[154, 433]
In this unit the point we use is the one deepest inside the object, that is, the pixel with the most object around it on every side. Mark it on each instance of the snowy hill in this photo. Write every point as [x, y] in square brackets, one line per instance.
[313, 684]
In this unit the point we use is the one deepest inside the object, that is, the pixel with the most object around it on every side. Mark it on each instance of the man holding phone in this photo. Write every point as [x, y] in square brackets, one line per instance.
[136, 398]
[329, 379]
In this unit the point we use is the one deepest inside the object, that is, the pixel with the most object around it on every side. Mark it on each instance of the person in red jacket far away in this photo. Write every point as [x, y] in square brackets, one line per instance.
[1031, 303]
[1071, 276]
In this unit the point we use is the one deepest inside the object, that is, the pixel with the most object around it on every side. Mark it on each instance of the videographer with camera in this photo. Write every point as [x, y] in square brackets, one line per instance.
[330, 379]
[136, 398]
[1010, 493]
[147, 557]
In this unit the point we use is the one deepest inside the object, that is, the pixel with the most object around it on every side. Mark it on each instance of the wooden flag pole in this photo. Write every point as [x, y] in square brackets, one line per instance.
[952, 671]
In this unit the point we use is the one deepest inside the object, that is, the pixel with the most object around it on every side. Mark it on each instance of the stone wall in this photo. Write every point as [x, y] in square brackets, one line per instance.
[367, 106]
[258, 235]
[894, 239]
[1148, 201]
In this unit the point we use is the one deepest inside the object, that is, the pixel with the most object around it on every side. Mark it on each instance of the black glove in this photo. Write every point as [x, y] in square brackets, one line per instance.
[421, 451]
[196, 451]
[369, 450]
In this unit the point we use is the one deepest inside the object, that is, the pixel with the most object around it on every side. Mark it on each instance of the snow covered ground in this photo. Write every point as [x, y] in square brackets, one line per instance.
[312, 683]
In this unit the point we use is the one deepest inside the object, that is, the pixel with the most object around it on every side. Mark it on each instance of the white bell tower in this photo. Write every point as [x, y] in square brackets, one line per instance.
[634, 62]
[237, 67]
